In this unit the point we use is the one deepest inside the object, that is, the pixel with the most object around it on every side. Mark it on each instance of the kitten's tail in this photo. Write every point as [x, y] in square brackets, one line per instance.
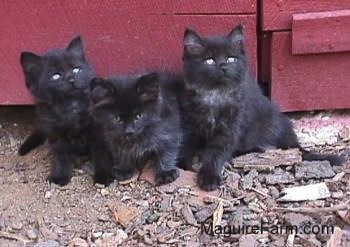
[334, 160]
[33, 141]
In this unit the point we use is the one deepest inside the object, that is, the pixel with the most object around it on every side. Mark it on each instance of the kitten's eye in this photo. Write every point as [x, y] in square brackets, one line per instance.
[76, 70]
[138, 116]
[117, 119]
[231, 59]
[210, 61]
[55, 76]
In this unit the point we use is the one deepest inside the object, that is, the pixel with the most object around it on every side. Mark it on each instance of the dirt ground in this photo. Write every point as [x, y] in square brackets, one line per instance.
[137, 213]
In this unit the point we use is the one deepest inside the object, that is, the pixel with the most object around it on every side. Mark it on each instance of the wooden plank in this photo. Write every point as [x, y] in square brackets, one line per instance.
[308, 82]
[190, 7]
[277, 14]
[116, 41]
[321, 32]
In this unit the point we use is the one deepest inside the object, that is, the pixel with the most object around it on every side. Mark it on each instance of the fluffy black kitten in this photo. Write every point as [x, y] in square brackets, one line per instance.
[59, 81]
[140, 118]
[224, 111]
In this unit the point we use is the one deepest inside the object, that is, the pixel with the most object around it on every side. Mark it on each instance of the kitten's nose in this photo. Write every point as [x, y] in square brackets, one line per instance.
[223, 67]
[129, 130]
[71, 80]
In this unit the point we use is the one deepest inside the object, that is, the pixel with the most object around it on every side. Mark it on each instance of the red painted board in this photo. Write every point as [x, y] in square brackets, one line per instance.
[308, 82]
[277, 14]
[116, 41]
[321, 32]
[188, 6]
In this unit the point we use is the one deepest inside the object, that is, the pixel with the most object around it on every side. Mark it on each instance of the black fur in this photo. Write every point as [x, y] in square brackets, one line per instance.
[224, 111]
[33, 141]
[140, 118]
[59, 81]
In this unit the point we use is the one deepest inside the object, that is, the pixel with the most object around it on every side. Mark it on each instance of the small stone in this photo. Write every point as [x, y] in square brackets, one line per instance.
[104, 218]
[274, 192]
[104, 192]
[50, 243]
[2, 222]
[48, 194]
[173, 224]
[16, 225]
[107, 234]
[338, 194]
[99, 186]
[148, 240]
[152, 218]
[165, 203]
[32, 234]
[96, 235]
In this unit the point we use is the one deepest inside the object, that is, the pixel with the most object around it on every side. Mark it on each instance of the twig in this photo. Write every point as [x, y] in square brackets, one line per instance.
[47, 234]
[261, 193]
[13, 236]
[342, 206]
[213, 197]
[114, 212]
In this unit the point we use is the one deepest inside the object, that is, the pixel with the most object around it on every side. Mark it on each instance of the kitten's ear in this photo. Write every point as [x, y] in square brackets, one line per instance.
[192, 43]
[148, 87]
[236, 36]
[31, 64]
[100, 89]
[76, 48]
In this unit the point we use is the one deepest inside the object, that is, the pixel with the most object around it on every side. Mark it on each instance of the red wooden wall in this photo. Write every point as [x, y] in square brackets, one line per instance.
[120, 36]
[305, 53]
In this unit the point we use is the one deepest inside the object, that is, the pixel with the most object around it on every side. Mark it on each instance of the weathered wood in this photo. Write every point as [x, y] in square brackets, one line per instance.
[120, 37]
[277, 14]
[308, 82]
[305, 193]
[321, 32]
[268, 160]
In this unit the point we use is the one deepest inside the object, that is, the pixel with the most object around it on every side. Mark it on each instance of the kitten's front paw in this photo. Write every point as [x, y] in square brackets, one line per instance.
[60, 180]
[103, 178]
[165, 177]
[122, 174]
[208, 180]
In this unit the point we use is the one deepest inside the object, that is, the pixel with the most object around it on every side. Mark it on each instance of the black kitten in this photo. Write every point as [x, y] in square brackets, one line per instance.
[224, 111]
[59, 81]
[141, 121]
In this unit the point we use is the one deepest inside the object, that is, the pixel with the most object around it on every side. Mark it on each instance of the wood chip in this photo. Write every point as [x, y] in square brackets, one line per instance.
[307, 192]
[279, 178]
[344, 215]
[268, 160]
[14, 237]
[123, 214]
[44, 231]
[310, 210]
[78, 242]
[336, 237]
[290, 240]
[248, 240]
[314, 169]
[188, 215]
[247, 181]
[217, 216]
[203, 214]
